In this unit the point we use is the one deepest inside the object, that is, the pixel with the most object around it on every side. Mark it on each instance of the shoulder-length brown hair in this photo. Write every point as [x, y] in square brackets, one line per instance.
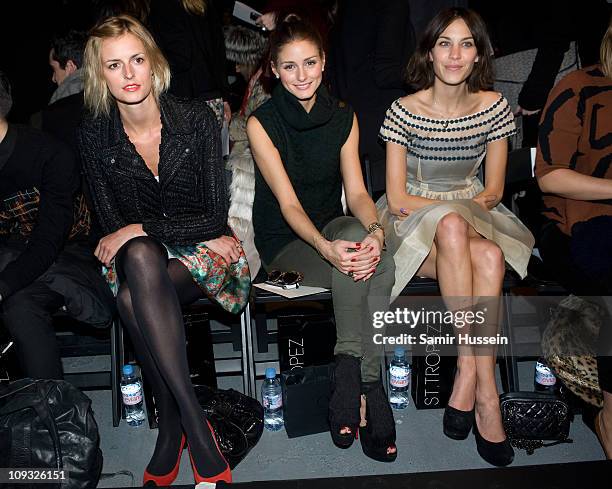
[420, 73]
[96, 95]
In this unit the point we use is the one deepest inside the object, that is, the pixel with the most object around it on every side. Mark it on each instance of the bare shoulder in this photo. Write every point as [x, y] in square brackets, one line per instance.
[486, 98]
[413, 102]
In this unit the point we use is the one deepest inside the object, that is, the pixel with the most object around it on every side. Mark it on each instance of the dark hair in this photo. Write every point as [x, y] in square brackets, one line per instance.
[69, 46]
[6, 101]
[138, 9]
[420, 73]
[244, 46]
[293, 28]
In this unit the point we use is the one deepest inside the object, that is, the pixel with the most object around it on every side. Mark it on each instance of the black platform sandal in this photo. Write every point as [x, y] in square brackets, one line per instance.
[345, 400]
[378, 436]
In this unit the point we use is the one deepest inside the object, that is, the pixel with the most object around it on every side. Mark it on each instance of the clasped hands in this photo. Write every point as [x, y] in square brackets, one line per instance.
[356, 259]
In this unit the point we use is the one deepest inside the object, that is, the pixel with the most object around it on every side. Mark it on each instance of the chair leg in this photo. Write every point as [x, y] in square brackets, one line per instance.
[508, 365]
[248, 364]
[116, 364]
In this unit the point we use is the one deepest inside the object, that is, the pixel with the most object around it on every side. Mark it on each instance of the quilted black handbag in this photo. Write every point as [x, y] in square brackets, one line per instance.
[530, 418]
[49, 424]
[237, 420]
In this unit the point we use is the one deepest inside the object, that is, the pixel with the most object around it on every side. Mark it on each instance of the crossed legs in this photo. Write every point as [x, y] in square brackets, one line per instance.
[468, 266]
[149, 301]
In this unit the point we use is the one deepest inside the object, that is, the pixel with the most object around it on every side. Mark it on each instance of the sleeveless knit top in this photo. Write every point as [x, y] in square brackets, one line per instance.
[309, 144]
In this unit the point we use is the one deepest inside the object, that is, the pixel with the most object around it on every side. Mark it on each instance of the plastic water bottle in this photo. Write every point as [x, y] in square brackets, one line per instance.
[544, 378]
[131, 391]
[399, 380]
[272, 399]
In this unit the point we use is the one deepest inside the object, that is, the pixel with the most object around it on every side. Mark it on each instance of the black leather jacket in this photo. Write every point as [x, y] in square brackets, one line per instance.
[189, 204]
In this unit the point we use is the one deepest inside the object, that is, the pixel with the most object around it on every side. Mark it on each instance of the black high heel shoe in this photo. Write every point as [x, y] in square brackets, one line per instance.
[499, 454]
[457, 424]
[345, 400]
[378, 436]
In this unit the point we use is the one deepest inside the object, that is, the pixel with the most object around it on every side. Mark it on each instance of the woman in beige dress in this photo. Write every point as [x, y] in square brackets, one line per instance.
[439, 219]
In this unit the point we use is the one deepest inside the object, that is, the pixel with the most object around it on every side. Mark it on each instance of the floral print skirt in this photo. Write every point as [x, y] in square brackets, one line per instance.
[228, 285]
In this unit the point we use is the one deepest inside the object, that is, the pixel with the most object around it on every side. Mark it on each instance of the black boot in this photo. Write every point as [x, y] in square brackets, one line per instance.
[345, 400]
[378, 436]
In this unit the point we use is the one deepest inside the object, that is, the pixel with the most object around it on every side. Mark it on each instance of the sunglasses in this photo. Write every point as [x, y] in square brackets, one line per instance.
[286, 280]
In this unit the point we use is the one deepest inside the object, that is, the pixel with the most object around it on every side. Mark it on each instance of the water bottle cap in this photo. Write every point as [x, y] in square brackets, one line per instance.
[128, 369]
[270, 373]
[400, 352]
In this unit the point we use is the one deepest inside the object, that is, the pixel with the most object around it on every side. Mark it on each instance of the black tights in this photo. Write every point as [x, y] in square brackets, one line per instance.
[149, 302]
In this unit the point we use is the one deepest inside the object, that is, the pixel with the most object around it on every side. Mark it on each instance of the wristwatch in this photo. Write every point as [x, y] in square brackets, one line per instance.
[372, 228]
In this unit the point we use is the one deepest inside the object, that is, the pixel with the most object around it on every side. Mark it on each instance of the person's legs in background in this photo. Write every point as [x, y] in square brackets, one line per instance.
[27, 315]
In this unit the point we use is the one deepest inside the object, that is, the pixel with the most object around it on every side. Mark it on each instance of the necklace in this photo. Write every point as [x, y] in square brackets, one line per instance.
[447, 116]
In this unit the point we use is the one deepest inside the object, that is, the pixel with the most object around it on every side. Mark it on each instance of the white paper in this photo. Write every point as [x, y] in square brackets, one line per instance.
[246, 13]
[301, 291]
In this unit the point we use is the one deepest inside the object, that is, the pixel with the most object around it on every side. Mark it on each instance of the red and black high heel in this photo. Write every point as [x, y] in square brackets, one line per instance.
[225, 476]
[167, 479]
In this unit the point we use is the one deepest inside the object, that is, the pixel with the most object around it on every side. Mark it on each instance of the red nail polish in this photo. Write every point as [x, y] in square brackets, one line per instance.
[353, 259]
[357, 245]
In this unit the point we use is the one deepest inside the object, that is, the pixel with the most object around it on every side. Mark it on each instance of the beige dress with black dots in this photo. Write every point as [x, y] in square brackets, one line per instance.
[443, 158]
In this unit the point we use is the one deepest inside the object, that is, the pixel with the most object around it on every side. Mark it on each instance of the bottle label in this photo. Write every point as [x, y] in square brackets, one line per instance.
[273, 402]
[399, 376]
[544, 375]
[131, 393]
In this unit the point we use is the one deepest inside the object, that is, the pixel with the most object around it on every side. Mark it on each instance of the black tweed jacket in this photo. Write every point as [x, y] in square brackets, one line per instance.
[189, 204]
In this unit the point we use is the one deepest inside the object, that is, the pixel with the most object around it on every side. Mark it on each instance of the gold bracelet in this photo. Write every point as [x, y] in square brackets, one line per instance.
[375, 226]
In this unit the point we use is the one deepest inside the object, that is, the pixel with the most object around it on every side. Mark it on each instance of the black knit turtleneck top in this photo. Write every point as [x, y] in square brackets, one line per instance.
[309, 144]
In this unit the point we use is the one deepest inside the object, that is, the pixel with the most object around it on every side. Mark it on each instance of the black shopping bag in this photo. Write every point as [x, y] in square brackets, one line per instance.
[305, 340]
[432, 380]
[433, 369]
[306, 393]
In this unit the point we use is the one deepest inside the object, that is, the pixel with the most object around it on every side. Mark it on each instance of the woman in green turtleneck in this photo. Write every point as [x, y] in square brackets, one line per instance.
[305, 144]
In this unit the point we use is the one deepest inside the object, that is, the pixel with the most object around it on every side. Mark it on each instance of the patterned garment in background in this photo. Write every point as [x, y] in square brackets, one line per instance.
[576, 133]
[229, 286]
[19, 214]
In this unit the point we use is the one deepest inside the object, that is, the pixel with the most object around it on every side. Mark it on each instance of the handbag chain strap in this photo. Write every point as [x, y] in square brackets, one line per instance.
[531, 445]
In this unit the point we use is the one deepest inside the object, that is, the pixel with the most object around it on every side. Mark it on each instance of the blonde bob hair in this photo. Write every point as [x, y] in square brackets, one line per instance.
[98, 98]
[605, 52]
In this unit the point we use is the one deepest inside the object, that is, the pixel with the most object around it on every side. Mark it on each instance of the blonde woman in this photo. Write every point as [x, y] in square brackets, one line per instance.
[154, 169]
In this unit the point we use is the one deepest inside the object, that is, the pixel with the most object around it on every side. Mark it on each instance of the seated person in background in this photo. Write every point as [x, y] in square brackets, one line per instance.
[63, 114]
[153, 164]
[45, 260]
[440, 220]
[305, 143]
[573, 170]
[65, 59]
[246, 48]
